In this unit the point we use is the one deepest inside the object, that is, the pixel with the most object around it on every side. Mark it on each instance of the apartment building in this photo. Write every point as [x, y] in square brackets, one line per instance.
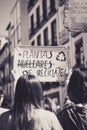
[5, 73]
[3, 42]
[40, 23]
[44, 30]
[17, 35]
[18, 25]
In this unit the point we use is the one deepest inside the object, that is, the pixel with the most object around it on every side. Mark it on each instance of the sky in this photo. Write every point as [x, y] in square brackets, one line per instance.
[5, 9]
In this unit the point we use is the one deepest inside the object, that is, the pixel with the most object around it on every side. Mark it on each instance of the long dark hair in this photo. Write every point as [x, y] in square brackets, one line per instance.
[21, 106]
[36, 93]
[28, 91]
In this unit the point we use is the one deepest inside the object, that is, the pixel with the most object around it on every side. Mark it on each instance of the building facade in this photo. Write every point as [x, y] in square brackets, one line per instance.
[19, 24]
[46, 28]
[5, 69]
[40, 23]
[17, 35]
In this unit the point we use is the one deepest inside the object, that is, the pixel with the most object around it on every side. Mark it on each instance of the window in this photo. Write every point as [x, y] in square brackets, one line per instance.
[39, 40]
[14, 39]
[32, 23]
[44, 9]
[19, 32]
[30, 3]
[54, 33]
[52, 5]
[33, 43]
[38, 16]
[46, 37]
[16, 36]
[0, 43]
[79, 53]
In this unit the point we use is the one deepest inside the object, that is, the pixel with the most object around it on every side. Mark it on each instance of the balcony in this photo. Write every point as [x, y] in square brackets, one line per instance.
[31, 33]
[61, 2]
[52, 11]
[63, 37]
[31, 3]
[43, 20]
[74, 34]
[50, 43]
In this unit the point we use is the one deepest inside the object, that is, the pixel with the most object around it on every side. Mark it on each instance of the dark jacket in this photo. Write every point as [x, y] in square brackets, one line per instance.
[73, 117]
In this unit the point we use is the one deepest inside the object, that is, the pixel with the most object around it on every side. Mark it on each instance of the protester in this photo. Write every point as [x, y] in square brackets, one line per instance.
[74, 114]
[2, 94]
[28, 112]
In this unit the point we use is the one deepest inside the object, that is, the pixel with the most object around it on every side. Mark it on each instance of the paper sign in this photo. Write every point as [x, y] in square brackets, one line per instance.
[75, 15]
[48, 64]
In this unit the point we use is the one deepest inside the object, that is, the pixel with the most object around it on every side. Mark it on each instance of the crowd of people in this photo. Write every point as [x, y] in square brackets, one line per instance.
[31, 112]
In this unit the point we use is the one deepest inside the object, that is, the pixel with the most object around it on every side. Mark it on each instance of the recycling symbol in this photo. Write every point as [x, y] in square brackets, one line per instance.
[61, 56]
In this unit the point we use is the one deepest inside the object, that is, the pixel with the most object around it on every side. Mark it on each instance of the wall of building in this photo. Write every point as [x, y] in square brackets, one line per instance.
[24, 22]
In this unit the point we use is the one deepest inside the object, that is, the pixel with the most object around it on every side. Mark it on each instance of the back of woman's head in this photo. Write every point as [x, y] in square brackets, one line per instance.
[22, 94]
[77, 87]
[28, 91]
[36, 94]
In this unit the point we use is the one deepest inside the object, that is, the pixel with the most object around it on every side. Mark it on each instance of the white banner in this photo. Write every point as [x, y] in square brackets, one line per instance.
[48, 64]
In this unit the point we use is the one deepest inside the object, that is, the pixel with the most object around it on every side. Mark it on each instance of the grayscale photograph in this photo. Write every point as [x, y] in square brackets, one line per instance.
[43, 64]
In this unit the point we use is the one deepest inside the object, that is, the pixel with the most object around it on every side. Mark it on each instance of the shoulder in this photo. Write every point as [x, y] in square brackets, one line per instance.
[66, 113]
[46, 120]
[69, 113]
[70, 108]
[43, 113]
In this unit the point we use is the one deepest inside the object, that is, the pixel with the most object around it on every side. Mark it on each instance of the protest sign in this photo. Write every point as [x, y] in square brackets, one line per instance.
[75, 15]
[48, 64]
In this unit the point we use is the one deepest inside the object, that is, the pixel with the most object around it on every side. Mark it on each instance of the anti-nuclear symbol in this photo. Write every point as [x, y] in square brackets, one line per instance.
[61, 56]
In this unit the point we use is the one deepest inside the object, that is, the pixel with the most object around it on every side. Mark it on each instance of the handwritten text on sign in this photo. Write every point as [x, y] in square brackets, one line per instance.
[46, 63]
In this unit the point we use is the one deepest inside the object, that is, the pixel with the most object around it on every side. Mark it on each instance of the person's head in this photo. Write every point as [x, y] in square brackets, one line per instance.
[28, 91]
[22, 94]
[1, 96]
[77, 87]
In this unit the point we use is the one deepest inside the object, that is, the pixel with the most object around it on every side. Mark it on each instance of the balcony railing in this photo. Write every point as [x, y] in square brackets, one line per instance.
[61, 2]
[74, 34]
[50, 43]
[31, 3]
[63, 36]
[43, 20]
